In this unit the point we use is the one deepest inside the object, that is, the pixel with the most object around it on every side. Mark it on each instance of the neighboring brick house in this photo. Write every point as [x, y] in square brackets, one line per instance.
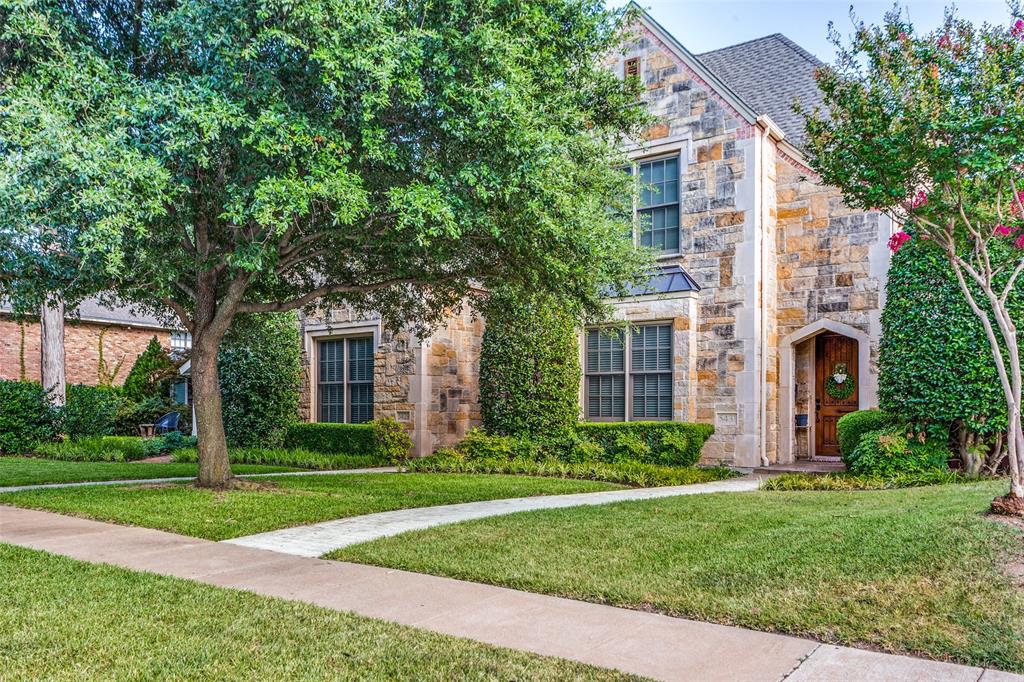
[769, 283]
[117, 333]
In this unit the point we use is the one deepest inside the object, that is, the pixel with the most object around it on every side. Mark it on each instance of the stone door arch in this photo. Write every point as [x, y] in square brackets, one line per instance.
[867, 390]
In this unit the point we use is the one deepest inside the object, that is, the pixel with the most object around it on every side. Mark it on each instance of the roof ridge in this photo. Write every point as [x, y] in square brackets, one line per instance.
[741, 44]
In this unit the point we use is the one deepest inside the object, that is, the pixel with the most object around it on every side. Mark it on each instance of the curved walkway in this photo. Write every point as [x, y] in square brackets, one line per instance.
[177, 479]
[648, 644]
[319, 538]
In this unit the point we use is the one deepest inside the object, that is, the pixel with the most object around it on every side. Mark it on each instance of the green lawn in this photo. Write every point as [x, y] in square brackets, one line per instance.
[31, 470]
[69, 620]
[284, 501]
[915, 570]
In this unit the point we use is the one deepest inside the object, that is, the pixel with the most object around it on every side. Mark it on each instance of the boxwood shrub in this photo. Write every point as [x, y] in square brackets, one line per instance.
[852, 426]
[889, 452]
[663, 443]
[384, 439]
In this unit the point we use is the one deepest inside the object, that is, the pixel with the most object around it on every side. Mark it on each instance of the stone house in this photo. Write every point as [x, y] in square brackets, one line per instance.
[98, 338]
[763, 319]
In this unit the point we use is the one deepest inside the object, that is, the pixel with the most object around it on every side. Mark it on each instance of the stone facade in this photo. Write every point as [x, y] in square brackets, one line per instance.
[121, 345]
[778, 257]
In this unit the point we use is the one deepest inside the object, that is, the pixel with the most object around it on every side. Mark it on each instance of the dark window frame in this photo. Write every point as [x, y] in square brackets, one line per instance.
[630, 373]
[657, 206]
[344, 381]
[600, 377]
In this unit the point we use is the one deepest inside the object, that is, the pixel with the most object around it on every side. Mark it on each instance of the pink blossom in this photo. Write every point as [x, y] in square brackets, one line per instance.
[918, 200]
[1019, 242]
[897, 240]
[1018, 29]
[1003, 230]
[944, 41]
[1015, 204]
[903, 36]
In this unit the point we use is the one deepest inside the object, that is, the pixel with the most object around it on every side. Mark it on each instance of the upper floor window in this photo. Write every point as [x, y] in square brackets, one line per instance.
[631, 68]
[180, 342]
[658, 210]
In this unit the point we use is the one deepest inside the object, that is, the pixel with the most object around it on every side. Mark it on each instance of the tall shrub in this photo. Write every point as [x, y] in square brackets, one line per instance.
[26, 416]
[935, 364]
[151, 374]
[260, 376]
[89, 411]
[529, 367]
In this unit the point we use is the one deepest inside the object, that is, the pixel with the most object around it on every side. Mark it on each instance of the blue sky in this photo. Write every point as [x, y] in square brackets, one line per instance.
[703, 25]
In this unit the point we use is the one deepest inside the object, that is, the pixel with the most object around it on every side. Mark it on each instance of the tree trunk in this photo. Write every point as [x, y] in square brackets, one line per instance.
[51, 324]
[214, 467]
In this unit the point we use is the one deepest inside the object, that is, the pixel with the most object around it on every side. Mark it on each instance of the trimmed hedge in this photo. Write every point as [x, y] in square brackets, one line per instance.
[302, 459]
[26, 416]
[637, 474]
[852, 426]
[662, 443]
[383, 439]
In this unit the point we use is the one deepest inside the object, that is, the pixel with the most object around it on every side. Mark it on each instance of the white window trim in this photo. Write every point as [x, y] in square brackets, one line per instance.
[333, 332]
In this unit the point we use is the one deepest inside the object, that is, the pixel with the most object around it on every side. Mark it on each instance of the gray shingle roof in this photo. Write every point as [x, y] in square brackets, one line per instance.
[94, 309]
[769, 74]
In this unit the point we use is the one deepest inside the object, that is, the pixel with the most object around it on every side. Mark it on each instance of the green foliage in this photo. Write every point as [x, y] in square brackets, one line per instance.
[331, 439]
[935, 362]
[638, 474]
[96, 449]
[303, 459]
[667, 443]
[260, 368]
[383, 439]
[847, 481]
[478, 444]
[529, 367]
[89, 411]
[852, 426]
[151, 374]
[147, 411]
[889, 452]
[393, 442]
[26, 416]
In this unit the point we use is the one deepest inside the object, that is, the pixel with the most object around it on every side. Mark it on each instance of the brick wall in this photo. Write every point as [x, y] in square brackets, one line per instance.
[121, 346]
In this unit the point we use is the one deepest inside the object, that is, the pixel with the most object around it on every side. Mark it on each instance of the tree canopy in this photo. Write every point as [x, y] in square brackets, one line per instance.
[216, 157]
[929, 128]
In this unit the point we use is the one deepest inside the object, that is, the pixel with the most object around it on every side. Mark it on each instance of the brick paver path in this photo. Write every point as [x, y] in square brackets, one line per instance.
[633, 641]
[319, 538]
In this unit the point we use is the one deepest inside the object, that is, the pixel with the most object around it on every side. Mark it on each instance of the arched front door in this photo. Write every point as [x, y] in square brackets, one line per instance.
[835, 359]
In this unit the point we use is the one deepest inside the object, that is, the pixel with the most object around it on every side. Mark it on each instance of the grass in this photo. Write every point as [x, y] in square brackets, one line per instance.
[638, 474]
[69, 620]
[294, 457]
[917, 570]
[32, 471]
[283, 501]
[848, 481]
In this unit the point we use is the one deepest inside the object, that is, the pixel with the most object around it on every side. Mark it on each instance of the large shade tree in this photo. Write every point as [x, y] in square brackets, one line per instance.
[930, 129]
[217, 157]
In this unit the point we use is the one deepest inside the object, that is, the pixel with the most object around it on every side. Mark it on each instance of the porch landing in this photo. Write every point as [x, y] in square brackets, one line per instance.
[803, 466]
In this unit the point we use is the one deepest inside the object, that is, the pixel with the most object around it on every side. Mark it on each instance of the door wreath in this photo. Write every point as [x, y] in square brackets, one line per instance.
[840, 384]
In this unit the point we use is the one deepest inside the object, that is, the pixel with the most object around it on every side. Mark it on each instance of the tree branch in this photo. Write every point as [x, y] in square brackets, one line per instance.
[305, 299]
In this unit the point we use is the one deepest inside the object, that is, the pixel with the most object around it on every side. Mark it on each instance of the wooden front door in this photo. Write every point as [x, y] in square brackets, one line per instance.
[832, 351]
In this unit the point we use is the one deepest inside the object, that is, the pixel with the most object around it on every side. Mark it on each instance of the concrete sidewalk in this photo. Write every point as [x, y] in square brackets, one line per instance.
[632, 641]
[319, 538]
[179, 479]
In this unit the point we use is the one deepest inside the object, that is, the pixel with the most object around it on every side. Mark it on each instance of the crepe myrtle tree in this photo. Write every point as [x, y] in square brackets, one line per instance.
[210, 158]
[929, 128]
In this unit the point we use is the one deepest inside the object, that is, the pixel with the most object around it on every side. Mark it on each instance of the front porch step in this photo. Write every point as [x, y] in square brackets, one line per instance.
[803, 467]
